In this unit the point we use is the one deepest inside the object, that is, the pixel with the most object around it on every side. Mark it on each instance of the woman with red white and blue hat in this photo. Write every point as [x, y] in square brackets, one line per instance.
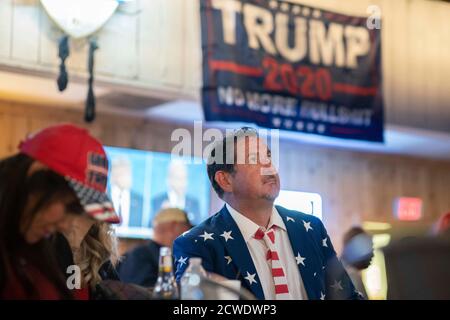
[59, 173]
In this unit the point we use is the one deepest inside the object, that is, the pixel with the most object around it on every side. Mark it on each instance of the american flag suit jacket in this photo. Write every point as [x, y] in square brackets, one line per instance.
[223, 250]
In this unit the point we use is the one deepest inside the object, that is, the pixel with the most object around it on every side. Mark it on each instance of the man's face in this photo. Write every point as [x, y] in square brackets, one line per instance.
[256, 178]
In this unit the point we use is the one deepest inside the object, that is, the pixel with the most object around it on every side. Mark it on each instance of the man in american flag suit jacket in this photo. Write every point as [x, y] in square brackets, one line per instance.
[292, 258]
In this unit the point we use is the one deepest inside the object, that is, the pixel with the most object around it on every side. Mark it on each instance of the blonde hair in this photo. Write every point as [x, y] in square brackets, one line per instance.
[98, 246]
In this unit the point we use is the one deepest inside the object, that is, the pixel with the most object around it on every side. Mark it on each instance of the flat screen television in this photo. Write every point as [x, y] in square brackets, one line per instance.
[142, 182]
[306, 202]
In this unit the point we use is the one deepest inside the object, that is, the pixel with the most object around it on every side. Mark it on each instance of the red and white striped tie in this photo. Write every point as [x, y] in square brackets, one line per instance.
[278, 273]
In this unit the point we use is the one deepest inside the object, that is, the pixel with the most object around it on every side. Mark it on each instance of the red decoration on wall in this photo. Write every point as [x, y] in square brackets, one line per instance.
[408, 209]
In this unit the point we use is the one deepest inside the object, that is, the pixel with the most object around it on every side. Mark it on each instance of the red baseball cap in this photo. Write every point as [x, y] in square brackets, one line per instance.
[73, 153]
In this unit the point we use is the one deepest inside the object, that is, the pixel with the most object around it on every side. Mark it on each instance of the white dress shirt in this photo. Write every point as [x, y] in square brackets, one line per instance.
[175, 201]
[258, 251]
[121, 203]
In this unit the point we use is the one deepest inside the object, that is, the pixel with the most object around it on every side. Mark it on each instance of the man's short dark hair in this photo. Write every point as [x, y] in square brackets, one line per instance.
[222, 162]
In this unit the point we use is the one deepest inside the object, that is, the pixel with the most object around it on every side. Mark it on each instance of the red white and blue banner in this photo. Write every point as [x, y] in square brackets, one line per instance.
[292, 67]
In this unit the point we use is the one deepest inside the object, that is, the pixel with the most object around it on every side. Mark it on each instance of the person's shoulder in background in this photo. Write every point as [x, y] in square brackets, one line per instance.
[108, 271]
[140, 265]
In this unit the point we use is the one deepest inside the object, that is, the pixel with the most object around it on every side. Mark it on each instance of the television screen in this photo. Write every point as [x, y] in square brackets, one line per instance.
[142, 183]
[306, 202]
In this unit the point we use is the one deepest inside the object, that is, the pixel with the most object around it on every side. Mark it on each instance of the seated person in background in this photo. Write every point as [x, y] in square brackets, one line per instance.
[276, 253]
[140, 266]
[357, 255]
[417, 268]
[31, 208]
[92, 246]
[442, 226]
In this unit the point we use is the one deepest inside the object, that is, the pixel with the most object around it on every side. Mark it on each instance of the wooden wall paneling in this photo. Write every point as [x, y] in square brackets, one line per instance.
[365, 183]
[6, 8]
[151, 31]
[173, 43]
[99, 130]
[117, 55]
[331, 180]
[431, 192]
[192, 45]
[422, 190]
[400, 53]
[389, 188]
[311, 171]
[410, 180]
[318, 172]
[374, 209]
[49, 37]
[25, 31]
[443, 69]
[445, 186]
[121, 137]
[348, 188]
[124, 136]
[387, 58]
[440, 182]
[294, 166]
[432, 69]
[42, 121]
[5, 132]
[285, 166]
[418, 29]
[140, 137]
[437, 59]
[77, 61]
[354, 185]
[20, 128]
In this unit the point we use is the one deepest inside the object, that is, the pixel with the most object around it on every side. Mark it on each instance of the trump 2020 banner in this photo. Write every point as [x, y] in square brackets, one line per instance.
[287, 66]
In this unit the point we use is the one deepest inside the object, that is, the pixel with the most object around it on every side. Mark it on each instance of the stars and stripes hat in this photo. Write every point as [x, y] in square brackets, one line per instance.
[73, 153]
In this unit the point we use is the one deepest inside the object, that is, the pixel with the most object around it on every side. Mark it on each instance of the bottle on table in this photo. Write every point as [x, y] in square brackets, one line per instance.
[166, 287]
[191, 288]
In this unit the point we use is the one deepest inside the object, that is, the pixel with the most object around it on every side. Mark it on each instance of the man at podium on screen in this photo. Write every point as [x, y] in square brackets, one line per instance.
[127, 203]
[276, 253]
[176, 195]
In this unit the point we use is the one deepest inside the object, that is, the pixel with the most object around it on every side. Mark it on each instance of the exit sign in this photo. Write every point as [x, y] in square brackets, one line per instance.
[408, 209]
